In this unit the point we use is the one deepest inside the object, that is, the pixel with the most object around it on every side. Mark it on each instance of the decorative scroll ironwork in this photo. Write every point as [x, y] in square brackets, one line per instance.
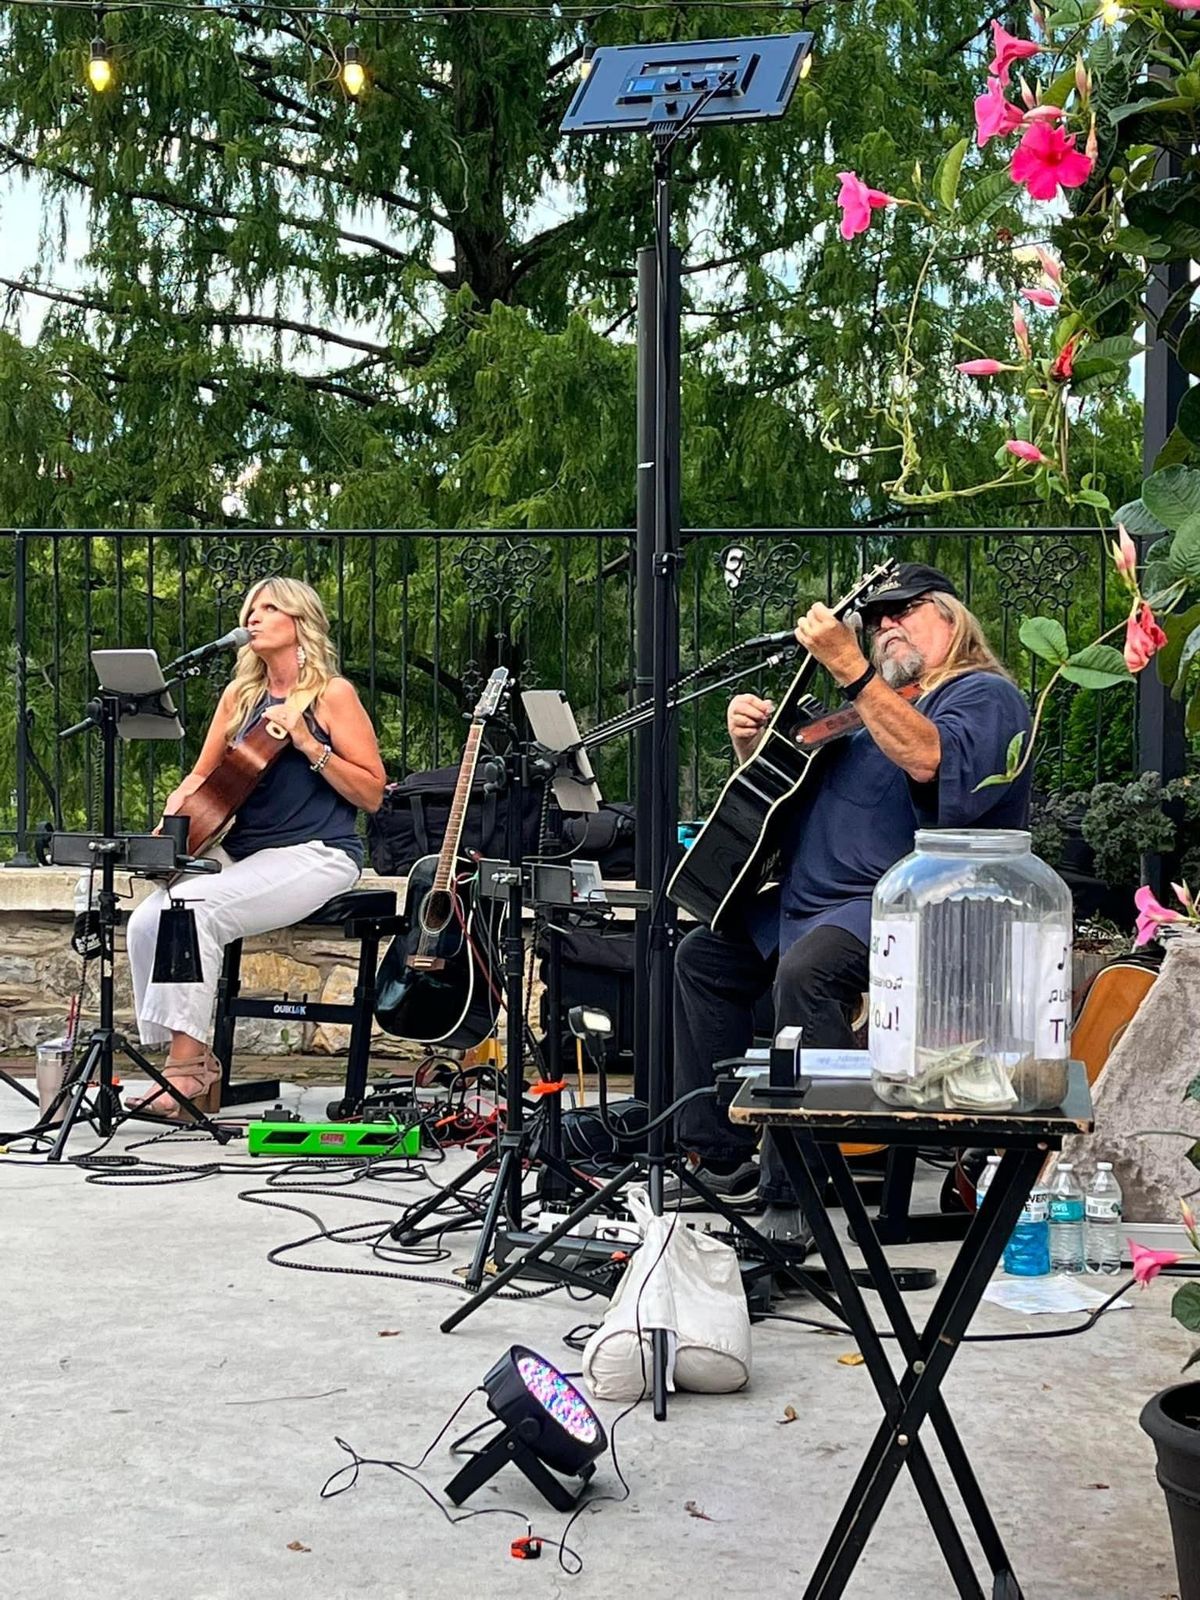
[233, 565]
[1036, 573]
[762, 573]
[502, 572]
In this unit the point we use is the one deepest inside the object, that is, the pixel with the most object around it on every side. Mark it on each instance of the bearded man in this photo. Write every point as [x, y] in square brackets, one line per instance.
[913, 764]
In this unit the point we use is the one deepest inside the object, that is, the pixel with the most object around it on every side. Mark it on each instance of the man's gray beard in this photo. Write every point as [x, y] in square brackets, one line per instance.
[901, 667]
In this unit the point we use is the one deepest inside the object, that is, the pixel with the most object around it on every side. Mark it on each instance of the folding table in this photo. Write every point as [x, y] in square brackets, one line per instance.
[808, 1128]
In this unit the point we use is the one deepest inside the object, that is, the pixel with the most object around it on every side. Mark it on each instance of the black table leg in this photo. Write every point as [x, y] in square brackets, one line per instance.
[801, 1161]
[914, 1348]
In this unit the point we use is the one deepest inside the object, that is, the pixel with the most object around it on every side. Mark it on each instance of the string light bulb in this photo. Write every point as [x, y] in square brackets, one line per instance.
[806, 65]
[100, 67]
[585, 59]
[353, 73]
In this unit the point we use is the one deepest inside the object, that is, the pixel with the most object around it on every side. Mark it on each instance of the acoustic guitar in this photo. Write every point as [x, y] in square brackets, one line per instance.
[1109, 1006]
[438, 983]
[211, 808]
[733, 854]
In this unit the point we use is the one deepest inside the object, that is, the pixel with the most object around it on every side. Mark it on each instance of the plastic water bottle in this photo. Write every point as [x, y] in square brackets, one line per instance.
[984, 1182]
[1066, 1220]
[1027, 1253]
[1102, 1221]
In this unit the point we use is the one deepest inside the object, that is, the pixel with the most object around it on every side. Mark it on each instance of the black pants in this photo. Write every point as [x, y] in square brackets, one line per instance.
[818, 986]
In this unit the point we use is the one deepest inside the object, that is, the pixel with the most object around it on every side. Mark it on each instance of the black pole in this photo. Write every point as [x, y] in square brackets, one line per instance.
[647, 325]
[1162, 745]
[664, 781]
[22, 858]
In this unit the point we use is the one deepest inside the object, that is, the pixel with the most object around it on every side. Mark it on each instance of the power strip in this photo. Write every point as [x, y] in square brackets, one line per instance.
[600, 1262]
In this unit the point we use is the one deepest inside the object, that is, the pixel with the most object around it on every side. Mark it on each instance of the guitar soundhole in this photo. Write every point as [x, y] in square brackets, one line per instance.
[436, 911]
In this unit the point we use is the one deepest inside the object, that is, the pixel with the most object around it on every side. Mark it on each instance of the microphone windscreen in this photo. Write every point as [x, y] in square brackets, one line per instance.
[239, 637]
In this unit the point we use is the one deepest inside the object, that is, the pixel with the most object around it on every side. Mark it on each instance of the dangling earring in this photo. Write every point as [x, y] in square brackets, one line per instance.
[301, 657]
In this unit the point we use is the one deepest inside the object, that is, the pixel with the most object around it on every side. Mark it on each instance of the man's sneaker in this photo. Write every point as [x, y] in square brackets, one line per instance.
[737, 1189]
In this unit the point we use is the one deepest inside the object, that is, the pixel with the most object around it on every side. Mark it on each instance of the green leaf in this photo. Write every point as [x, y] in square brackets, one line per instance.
[1099, 666]
[987, 197]
[1166, 209]
[1192, 1092]
[1191, 721]
[1188, 352]
[1178, 626]
[990, 783]
[1046, 638]
[1012, 756]
[1184, 559]
[1092, 497]
[1185, 1306]
[1172, 495]
[1191, 1361]
[1125, 286]
[1179, 450]
[1193, 1155]
[948, 174]
[1187, 418]
[1137, 519]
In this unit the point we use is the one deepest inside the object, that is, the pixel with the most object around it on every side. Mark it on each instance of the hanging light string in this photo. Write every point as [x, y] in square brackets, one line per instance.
[245, 13]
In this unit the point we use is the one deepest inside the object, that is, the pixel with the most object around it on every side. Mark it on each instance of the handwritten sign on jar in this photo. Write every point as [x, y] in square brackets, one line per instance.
[1041, 989]
[893, 997]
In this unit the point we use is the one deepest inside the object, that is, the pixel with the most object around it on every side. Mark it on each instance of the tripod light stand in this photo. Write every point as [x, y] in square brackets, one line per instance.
[669, 91]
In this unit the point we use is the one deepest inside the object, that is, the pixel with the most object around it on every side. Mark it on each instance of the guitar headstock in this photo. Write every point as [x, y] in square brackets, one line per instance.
[885, 569]
[493, 694]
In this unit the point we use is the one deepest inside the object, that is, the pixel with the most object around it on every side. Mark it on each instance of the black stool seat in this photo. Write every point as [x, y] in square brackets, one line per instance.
[354, 903]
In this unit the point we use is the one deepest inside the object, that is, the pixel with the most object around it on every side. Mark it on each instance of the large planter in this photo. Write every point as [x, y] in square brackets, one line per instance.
[1172, 1419]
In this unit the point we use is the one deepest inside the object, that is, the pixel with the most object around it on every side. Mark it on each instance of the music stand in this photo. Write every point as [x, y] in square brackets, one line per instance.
[668, 91]
[134, 703]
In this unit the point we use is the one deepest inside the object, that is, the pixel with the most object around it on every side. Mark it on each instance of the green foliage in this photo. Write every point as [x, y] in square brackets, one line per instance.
[1123, 821]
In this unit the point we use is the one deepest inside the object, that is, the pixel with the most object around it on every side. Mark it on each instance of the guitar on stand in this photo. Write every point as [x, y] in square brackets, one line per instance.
[733, 855]
[439, 982]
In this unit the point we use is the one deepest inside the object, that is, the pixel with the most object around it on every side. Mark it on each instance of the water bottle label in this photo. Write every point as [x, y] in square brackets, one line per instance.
[1103, 1210]
[1036, 1209]
[893, 997]
[1063, 1208]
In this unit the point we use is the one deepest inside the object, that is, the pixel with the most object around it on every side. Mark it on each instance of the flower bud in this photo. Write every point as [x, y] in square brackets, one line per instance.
[1021, 330]
[1083, 80]
[1027, 93]
[1092, 148]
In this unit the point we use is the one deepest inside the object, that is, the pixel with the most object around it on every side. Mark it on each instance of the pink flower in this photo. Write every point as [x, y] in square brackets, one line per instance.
[1189, 1222]
[1147, 1264]
[1038, 113]
[1051, 267]
[1184, 895]
[1040, 297]
[1008, 49]
[1024, 451]
[1045, 158]
[1021, 331]
[1185, 5]
[1151, 916]
[1125, 557]
[994, 115]
[857, 203]
[1143, 637]
[984, 367]
[1062, 367]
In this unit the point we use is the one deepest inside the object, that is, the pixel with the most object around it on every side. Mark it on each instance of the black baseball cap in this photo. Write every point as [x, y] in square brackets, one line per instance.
[910, 580]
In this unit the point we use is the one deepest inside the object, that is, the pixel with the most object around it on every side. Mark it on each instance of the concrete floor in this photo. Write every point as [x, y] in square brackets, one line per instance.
[171, 1402]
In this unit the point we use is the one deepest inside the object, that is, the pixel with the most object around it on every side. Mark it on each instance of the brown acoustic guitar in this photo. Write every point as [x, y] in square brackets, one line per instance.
[211, 808]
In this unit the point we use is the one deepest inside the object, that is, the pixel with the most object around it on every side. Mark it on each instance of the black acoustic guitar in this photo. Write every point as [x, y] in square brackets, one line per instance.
[438, 982]
[734, 854]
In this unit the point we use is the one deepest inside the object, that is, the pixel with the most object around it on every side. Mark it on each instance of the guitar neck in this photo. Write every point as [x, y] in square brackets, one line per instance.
[458, 809]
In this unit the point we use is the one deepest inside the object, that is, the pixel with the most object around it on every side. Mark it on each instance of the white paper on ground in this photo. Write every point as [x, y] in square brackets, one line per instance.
[1058, 1293]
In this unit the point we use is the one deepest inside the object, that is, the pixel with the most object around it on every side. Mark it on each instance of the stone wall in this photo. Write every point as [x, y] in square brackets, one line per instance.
[39, 972]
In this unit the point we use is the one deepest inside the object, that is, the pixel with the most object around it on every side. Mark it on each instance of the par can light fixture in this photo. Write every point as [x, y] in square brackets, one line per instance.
[549, 1431]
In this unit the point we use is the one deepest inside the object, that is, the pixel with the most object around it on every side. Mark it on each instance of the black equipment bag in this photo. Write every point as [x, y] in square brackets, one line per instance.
[605, 836]
[597, 970]
[412, 820]
[585, 1138]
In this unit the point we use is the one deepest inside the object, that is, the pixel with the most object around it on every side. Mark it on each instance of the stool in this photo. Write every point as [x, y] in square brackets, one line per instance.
[367, 915]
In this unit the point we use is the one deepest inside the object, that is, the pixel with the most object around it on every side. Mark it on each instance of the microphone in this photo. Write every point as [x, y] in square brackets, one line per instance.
[787, 636]
[233, 640]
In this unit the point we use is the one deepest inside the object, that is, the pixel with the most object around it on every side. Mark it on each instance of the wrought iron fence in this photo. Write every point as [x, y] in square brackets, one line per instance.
[421, 615]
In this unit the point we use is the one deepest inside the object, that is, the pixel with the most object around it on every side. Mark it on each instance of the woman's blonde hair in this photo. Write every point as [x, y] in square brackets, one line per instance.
[969, 650]
[301, 601]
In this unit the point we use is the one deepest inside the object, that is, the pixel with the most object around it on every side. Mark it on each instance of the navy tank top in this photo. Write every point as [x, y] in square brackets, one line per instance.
[293, 804]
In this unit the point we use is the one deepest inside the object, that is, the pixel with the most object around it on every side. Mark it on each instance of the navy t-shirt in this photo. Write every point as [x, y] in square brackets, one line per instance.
[292, 804]
[862, 811]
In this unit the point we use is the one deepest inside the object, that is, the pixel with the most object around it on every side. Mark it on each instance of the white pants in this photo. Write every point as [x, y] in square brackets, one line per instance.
[267, 890]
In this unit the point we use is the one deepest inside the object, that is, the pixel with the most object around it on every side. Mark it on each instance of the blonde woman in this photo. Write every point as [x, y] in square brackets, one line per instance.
[292, 846]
